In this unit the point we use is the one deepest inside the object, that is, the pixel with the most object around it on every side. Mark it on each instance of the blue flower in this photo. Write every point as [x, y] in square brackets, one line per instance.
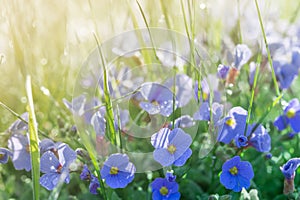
[223, 71]
[94, 185]
[4, 155]
[285, 73]
[85, 173]
[289, 172]
[236, 174]
[290, 116]
[259, 139]
[204, 112]
[94, 182]
[171, 147]
[241, 55]
[170, 176]
[184, 121]
[117, 171]
[252, 70]
[208, 85]
[241, 141]
[183, 88]
[159, 99]
[232, 125]
[162, 189]
[19, 126]
[289, 168]
[19, 144]
[56, 166]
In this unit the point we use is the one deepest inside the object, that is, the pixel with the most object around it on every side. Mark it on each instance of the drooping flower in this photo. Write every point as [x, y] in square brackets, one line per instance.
[232, 125]
[236, 174]
[291, 116]
[163, 189]
[94, 185]
[209, 86]
[252, 70]
[19, 126]
[242, 54]
[170, 176]
[171, 147]
[241, 141]
[94, 182]
[19, 144]
[4, 155]
[183, 88]
[223, 71]
[260, 138]
[159, 99]
[55, 166]
[117, 171]
[184, 121]
[204, 112]
[285, 73]
[288, 170]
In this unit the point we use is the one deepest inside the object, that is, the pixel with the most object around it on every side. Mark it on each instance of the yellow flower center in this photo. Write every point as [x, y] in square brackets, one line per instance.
[171, 149]
[155, 103]
[204, 96]
[291, 113]
[1, 156]
[114, 170]
[230, 122]
[164, 191]
[233, 170]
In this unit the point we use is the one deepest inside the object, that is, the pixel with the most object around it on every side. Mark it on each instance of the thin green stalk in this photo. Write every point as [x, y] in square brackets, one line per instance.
[20, 118]
[148, 28]
[34, 142]
[119, 130]
[239, 22]
[165, 12]
[111, 133]
[268, 50]
[252, 93]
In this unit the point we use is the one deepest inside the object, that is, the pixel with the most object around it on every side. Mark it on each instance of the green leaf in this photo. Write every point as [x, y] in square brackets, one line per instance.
[33, 140]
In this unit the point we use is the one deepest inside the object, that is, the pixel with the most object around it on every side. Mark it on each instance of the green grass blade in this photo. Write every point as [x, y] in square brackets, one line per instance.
[268, 50]
[33, 138]
[111, 132]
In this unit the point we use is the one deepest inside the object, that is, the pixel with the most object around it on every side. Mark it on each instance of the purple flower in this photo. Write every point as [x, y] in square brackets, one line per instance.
[162, 189]
[4, 155]
[223, 71]
[94, 182]
[85, 173]
[56, 166]
[94, 185]
[208, 84]
[290, 116]
[184, 121]
[77, 105]
[19, 144]
[117, 171]
[204, 112]
[259, 139]
[171, 147]
[241, 55]
[159, 99]
[232, 125]
[170, 176]
[289, 168]
[19, 126]
[252, 70]
[241, 141]
[183, 88]
[236, 174]
[285, 73]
